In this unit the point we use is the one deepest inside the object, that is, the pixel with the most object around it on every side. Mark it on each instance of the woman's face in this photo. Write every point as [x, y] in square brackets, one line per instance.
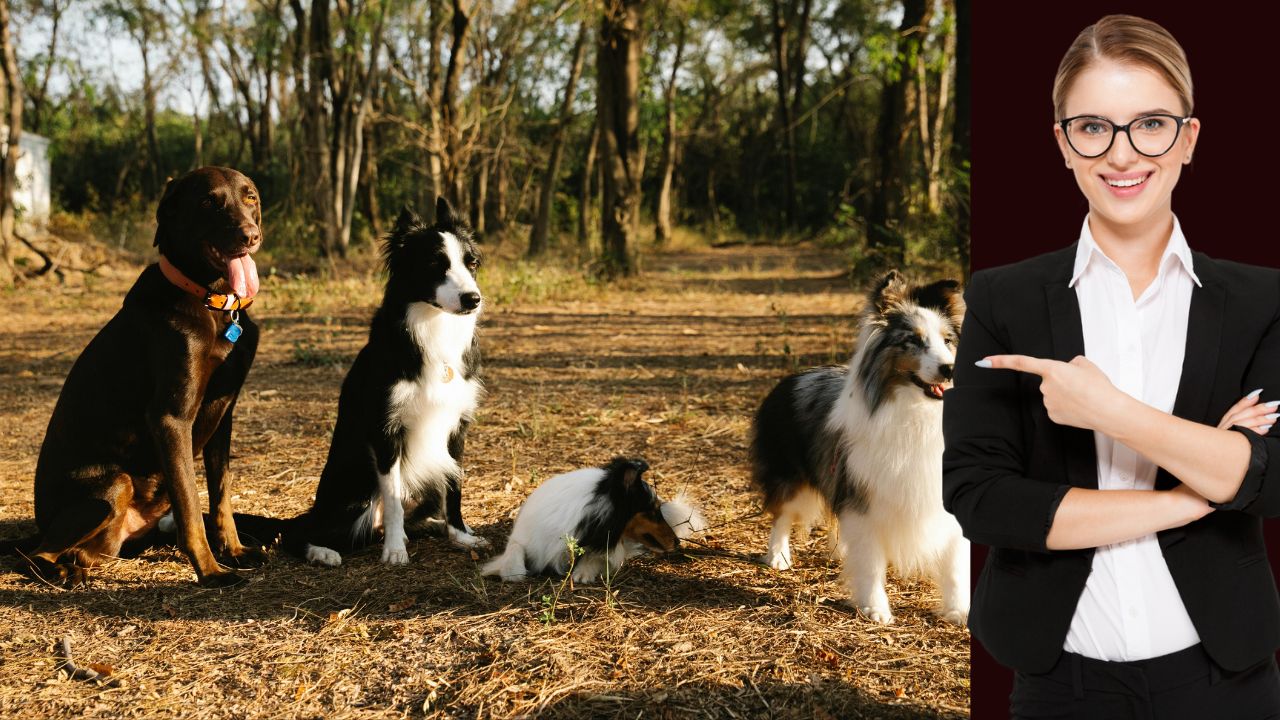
[1120, 93]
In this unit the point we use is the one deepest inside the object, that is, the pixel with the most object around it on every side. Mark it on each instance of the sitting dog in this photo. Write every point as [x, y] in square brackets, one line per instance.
[155, 388]
[864, 443]
[404, 408]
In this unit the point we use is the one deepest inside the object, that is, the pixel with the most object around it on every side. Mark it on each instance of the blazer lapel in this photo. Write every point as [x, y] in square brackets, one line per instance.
[1079, 453]
[1200, 358]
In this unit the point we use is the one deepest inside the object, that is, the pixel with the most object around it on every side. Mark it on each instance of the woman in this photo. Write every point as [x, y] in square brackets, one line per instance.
[1128, 573]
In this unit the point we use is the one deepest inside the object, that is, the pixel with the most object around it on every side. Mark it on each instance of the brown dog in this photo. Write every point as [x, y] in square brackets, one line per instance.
[155, 388]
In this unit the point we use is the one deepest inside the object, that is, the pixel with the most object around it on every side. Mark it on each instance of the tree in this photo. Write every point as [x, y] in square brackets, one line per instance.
[546, 198]
[886, 202]
[667, 166]
[618, 109]
[11, 94]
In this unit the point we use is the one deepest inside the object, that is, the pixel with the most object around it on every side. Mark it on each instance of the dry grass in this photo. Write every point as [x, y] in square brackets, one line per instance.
[669, 366]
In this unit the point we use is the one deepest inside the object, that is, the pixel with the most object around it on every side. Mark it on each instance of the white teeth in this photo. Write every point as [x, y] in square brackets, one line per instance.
[1128, 183]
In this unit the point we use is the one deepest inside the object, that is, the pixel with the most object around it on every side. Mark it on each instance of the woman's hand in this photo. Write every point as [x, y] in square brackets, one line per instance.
[1248, 412]
[1077, 393]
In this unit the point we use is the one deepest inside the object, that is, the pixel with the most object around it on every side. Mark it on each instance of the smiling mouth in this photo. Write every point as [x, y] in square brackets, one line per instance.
[1126, 182]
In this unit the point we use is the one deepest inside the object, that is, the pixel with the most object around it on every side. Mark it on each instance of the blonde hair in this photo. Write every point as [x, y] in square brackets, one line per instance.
[1126, 39]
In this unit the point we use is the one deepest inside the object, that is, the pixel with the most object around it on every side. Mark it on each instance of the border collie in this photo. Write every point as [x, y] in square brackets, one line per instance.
[864, 444]
[603, 510]
[405, 405]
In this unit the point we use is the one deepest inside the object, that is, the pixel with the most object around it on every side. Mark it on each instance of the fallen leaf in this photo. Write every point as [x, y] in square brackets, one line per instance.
[402, 605]
[101, 668]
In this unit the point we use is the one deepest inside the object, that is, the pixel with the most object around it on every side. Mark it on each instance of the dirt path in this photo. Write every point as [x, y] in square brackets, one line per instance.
[669, 366]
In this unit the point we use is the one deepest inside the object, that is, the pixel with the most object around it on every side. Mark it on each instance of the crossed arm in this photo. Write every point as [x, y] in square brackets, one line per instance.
[1210, 461]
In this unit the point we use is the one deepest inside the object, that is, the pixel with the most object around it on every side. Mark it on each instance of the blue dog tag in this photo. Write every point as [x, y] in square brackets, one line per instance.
[233, 331]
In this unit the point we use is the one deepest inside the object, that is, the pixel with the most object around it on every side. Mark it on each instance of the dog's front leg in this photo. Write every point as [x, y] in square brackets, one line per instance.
[217, 458]
[391, 489]
[172, 434]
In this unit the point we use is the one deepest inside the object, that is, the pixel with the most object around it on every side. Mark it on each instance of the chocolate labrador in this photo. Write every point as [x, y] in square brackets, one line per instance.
[153, 390]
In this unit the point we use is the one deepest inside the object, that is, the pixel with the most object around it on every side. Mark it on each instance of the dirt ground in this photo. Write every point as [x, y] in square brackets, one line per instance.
[669, 366]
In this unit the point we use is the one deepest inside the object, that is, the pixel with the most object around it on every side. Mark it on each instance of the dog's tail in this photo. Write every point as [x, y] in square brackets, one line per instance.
[509, 565]
[19, 546]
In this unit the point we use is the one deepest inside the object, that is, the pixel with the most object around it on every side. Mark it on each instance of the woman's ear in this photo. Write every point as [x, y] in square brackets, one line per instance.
[1192, 134]
[1063, 147]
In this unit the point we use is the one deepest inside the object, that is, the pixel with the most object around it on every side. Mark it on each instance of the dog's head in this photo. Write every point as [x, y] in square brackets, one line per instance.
[636, 499]
[913, 335]
[434, 264]
[208, 223]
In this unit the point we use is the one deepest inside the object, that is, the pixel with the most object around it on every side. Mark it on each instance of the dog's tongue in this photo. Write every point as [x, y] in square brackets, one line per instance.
[242, 273]
[937, 390]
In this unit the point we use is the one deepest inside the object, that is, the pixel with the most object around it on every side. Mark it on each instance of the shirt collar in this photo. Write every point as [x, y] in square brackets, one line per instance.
[1087, 249]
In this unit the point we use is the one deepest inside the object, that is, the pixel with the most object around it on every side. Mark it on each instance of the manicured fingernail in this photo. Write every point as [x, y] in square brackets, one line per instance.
[1273, 403]
[1255, 393]
[1272, 416]
[983, 363]
[1264, 429]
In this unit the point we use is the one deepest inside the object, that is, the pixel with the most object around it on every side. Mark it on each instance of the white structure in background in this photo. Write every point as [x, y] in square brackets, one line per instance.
[31, 199]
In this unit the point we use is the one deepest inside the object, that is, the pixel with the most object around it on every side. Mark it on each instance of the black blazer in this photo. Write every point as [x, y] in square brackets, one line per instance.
[1007, 466]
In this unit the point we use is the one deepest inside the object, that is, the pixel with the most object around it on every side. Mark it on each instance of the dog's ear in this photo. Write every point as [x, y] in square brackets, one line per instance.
[407, 220]
[444, 213]
[631, 475]
[944, 296]
[892, 290]
[165, 212]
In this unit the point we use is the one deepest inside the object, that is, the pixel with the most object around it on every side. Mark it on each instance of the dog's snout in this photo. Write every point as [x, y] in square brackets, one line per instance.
[469, 301]
[945, 371]
[249, 234]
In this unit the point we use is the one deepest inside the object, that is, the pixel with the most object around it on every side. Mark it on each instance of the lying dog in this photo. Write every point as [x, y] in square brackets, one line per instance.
[155, 388]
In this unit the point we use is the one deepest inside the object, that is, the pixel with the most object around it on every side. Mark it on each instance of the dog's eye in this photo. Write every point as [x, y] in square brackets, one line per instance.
[251, 199]
[207, 202]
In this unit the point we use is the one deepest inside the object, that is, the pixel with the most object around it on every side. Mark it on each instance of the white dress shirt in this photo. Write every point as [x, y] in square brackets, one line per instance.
[1130, 608]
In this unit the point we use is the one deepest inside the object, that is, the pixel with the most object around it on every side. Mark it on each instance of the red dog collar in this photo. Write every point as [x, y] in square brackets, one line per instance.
[225, 302]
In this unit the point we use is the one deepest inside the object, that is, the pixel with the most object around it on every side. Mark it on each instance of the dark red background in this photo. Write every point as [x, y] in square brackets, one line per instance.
[1026, 203]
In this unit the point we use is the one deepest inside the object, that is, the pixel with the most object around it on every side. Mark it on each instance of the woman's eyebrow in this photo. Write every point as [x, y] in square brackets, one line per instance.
[1157, 111]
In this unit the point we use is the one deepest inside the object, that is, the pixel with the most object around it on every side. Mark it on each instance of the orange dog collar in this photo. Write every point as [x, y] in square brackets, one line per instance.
[224, 302]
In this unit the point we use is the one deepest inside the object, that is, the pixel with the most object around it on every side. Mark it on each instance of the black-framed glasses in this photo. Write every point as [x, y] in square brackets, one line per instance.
[1152, 135]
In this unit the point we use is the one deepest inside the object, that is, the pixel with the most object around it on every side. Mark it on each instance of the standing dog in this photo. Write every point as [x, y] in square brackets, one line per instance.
[405, 404]
[153, 389]
[864, 443]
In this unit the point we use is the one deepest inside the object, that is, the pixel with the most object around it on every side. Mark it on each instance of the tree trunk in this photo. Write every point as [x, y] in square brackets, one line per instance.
[584, 195]
[667, 169]
[13, 95]
[621, 155]
[886, 202]
[546, 198]
[40, 99]
[960, 133]
[460, 24]
[781, 60]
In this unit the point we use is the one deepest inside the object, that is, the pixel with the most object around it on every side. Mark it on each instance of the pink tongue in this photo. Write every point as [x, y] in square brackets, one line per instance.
[242, 273]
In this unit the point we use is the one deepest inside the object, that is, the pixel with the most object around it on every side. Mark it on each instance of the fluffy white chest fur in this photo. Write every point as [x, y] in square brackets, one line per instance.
[895, 457]
[430, 406]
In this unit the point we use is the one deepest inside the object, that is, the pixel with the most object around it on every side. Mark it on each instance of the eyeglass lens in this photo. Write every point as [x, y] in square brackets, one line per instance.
[1152, 135]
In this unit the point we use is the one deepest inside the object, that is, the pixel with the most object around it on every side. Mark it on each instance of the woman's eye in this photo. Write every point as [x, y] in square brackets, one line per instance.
[1151, 124]
[1094, 128]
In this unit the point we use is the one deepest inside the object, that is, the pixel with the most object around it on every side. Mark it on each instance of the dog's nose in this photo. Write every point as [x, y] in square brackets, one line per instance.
[249, 234]
[469, 301]
[945, 371]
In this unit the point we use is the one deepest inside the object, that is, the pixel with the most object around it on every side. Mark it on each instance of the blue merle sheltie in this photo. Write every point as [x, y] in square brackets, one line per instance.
[863, 443]
[395, 461]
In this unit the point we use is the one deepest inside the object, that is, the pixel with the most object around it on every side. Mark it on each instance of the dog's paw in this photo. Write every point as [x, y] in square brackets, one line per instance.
[877, 614]
[323, 556]
[466, 540]
[246, 558]
[395, 555]
[955, 616]
[221, 580]
[778, 561]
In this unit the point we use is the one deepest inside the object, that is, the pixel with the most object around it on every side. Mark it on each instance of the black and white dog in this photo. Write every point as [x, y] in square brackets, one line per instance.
[864, 443]
[406, 403]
